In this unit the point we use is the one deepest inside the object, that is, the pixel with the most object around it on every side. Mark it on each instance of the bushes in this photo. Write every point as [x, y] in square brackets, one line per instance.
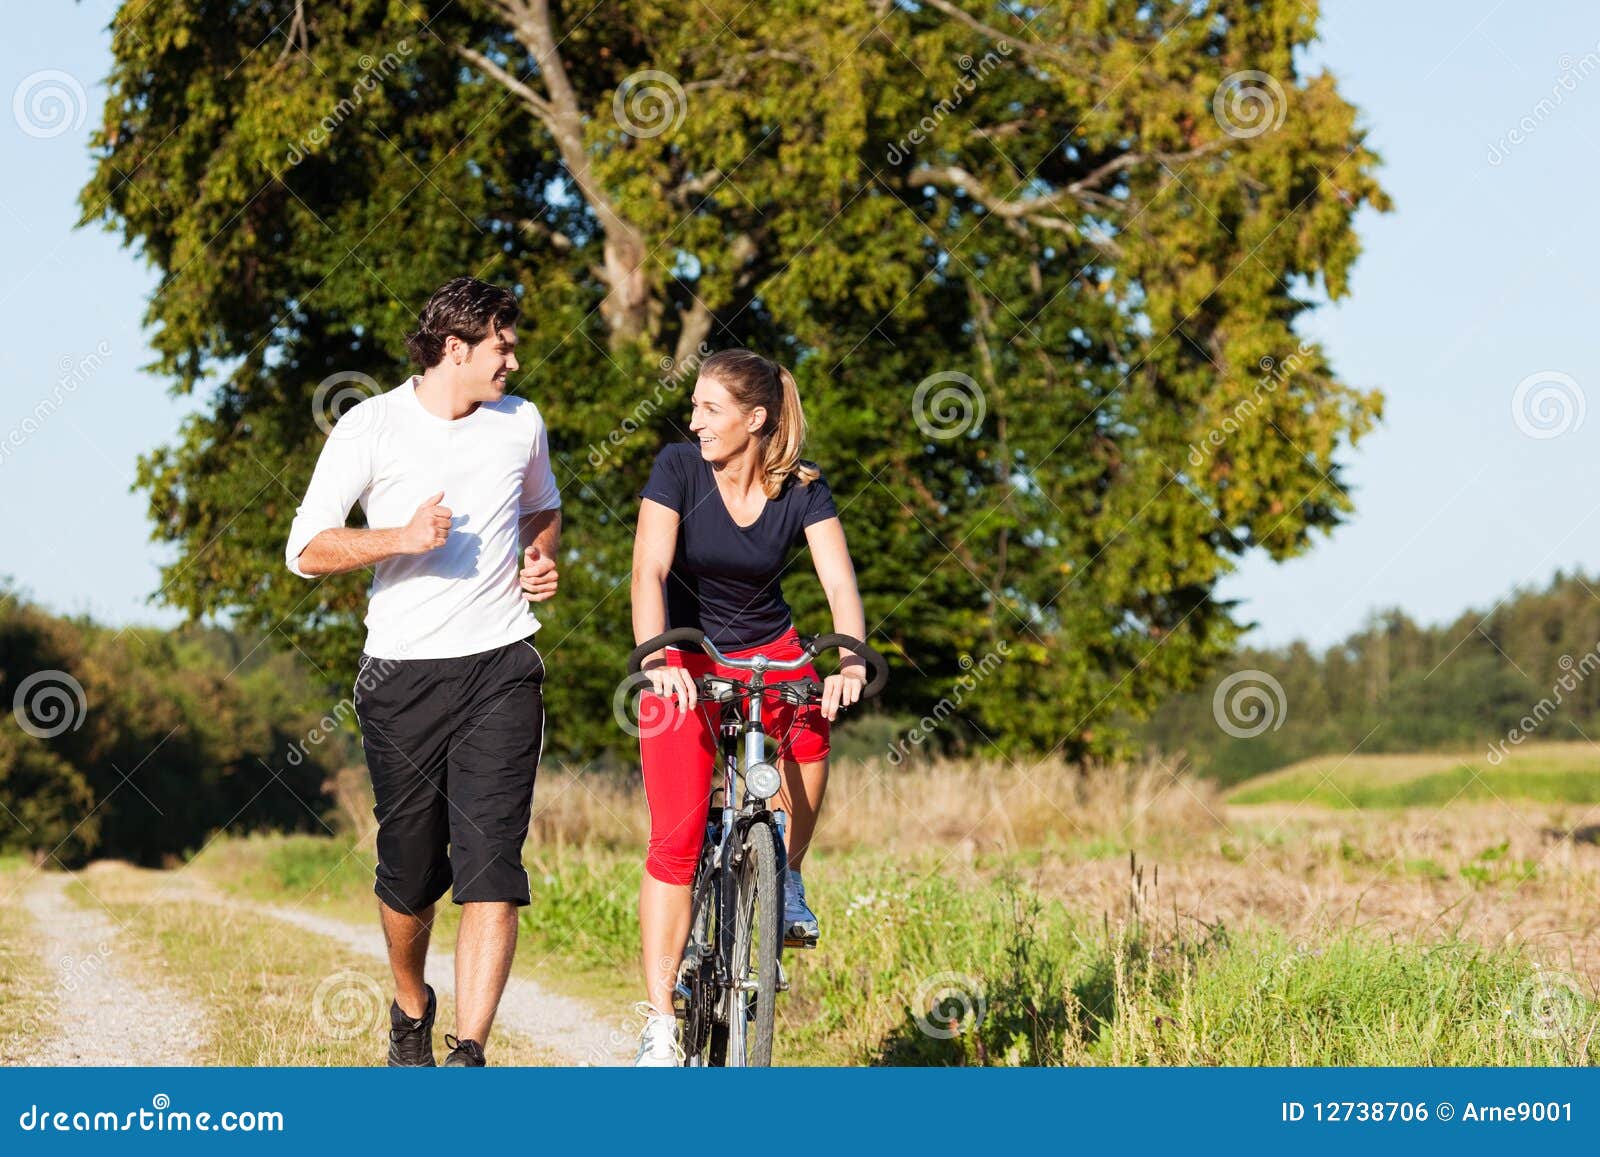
[139, 743]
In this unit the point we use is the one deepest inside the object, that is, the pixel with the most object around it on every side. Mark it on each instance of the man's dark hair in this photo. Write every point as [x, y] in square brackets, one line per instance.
[462, 307]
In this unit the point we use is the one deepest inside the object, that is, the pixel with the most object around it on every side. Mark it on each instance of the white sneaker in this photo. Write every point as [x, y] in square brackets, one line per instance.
[658, 1043]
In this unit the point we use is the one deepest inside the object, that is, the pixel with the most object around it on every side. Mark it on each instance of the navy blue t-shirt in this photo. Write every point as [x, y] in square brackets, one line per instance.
[724, 577]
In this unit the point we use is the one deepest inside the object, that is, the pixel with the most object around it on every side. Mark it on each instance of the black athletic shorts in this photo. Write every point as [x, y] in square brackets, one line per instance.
[452, 746]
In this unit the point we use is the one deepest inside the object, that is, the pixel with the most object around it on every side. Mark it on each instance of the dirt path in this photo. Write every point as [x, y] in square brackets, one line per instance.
[103, 1009]
[566, 1026]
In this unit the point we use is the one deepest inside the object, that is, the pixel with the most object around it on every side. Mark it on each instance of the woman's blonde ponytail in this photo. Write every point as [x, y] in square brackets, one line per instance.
[780, 455]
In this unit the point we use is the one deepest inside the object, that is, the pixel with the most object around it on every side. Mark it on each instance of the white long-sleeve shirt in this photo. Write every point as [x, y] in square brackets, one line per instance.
[391, 454]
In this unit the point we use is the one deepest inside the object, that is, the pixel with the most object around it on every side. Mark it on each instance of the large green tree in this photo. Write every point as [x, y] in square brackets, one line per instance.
[1091, 225]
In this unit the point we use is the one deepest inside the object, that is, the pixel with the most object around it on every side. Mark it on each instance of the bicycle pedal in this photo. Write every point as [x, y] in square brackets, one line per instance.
[799, 942]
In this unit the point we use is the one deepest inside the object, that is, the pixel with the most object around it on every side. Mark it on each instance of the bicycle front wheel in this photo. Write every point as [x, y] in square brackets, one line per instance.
[744, 1039]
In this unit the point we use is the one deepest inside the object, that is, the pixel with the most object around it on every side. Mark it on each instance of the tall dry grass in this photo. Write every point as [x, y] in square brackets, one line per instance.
[976, 805]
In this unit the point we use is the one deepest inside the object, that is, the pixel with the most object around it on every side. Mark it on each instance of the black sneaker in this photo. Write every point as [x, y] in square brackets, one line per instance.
[464, 1054]
[411, 1041]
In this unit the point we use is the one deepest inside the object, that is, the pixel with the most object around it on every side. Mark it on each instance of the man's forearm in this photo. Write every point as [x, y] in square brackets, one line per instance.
[542, 528]
[335, 551]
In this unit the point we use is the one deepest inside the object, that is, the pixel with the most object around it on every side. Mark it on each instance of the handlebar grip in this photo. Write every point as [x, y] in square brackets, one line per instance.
[875, 662]
[691, 635]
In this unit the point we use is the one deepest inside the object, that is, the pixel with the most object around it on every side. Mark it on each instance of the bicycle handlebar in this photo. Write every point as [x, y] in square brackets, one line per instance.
[693, 636]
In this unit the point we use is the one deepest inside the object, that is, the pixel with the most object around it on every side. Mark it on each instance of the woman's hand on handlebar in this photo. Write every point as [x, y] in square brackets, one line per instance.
[669, 682]
[843, 689]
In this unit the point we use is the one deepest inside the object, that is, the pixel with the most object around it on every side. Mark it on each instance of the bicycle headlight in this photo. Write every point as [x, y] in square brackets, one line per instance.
[762, 780]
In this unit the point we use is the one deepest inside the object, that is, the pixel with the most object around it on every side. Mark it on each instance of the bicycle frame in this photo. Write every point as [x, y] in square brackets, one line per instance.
[735, 726]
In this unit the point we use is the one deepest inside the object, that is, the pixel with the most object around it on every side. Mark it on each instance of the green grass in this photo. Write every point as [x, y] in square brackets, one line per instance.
[1539, 773]
[1028, 981]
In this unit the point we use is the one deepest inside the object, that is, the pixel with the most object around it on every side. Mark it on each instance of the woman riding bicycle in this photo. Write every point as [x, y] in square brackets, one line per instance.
[718, 521]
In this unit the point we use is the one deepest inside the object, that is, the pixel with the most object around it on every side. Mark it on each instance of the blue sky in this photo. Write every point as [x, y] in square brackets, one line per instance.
[1478, 282]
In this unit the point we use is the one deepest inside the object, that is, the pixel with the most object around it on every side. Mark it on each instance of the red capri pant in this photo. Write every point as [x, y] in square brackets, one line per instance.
[679, 756]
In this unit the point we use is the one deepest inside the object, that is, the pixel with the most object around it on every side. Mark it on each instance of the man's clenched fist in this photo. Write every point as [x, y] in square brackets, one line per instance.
[538, 575]
[429, 526]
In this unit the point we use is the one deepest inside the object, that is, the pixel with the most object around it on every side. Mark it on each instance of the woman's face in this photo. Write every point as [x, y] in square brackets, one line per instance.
[722, 428]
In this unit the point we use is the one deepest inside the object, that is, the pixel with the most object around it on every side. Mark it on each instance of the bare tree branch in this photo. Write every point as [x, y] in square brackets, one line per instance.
[298, 36]
[1029, 47]
[1040, 210]
[541, 107]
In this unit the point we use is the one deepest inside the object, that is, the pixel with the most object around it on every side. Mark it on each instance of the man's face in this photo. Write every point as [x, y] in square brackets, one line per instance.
[486, 365]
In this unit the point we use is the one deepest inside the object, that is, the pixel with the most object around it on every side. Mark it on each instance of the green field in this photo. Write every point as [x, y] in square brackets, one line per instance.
[1541, 773]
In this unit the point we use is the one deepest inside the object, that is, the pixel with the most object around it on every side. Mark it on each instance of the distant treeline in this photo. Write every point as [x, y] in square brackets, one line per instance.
[139, 743]
[1526, 669]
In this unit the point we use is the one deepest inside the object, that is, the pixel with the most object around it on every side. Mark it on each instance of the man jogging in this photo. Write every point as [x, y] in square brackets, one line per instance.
[454, 477]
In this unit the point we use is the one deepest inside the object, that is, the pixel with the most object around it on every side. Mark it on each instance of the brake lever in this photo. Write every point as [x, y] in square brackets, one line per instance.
[800, 692]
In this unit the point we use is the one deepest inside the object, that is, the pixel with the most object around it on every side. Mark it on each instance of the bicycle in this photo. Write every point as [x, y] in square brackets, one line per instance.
[728, 983]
